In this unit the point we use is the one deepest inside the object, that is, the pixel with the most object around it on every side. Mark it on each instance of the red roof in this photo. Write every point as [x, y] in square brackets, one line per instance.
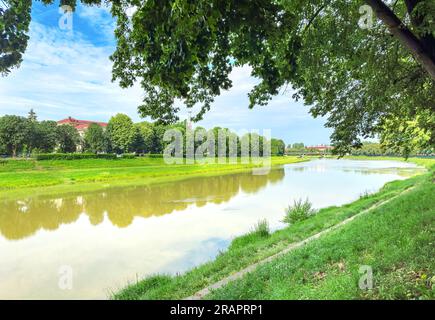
[80, 124]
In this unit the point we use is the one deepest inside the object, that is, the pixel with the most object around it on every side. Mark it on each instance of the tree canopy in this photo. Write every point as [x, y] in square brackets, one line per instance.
[94, 139]
[361, 79]
[13, 133]
[122, 133]
[67, 138]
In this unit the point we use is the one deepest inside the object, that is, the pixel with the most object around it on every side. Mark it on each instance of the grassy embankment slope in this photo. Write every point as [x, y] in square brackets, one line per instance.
[19, 177]
[396, 239]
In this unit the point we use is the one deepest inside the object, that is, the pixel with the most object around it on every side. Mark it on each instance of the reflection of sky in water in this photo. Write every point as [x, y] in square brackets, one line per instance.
[112, 237]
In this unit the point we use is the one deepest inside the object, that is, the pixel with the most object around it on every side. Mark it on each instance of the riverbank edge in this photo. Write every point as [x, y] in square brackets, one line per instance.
[385, 254]
[60, 189]
[252, 247]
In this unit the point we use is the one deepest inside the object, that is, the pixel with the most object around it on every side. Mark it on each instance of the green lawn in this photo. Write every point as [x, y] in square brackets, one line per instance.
[17, 177]
[415, 211]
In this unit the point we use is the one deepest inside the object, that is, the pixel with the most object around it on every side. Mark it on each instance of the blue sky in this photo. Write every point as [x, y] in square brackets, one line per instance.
[68, 73]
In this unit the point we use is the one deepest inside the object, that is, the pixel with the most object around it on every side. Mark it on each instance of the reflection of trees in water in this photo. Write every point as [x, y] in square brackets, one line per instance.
[19, 219]
[403, 172]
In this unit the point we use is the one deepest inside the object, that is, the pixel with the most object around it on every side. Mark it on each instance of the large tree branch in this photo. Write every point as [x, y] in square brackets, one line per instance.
[404, 35]
[316, 14]
[427, 39]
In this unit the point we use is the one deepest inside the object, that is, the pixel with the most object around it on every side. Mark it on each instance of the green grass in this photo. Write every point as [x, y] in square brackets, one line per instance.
[396, 240]
[18, 177]
[254, 247]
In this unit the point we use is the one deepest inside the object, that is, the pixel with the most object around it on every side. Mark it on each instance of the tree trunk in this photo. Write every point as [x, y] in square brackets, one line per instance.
[404, 35]
[426, 39]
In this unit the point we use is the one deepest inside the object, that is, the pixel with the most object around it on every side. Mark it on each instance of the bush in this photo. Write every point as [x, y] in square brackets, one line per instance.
[261, 228]
[300, 210]
[74, 156]
[154, 155]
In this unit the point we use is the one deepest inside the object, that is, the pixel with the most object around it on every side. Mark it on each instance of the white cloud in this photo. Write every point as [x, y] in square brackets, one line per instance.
[65, 74]
[99, 18]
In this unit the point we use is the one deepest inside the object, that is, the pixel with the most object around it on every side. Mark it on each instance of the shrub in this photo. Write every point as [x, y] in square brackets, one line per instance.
[73, 156]
[154, 155]
[300, 210]
[261, 228]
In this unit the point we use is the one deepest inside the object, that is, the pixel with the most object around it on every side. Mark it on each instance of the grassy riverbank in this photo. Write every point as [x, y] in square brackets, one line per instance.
[396, 241]
[19, 177]
[329, 273]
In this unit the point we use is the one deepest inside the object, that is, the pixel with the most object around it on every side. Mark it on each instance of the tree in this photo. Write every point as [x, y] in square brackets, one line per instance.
[67, 138]
[152, 136]
[14, 25]
[360, 78]
[407, 137]
[121, 132]
[13, 133]
[33, 137]
[369, 149]
[32, 117]
[200, 43]
[46, 136]
[94, 139]
[138, 144]
[298, 146]
[277, 147]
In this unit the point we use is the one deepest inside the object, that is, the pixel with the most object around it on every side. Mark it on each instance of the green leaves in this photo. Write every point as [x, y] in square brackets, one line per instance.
[14, 25]
[95, 139]
[359, 79]
[121, 132]
[67, 138]
[13, 133]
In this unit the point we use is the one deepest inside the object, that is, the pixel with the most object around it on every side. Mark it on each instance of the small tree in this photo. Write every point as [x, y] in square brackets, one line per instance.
[67, 138]
[94, 139]
[121, 132]
[13, 133]
[147, 133]
[46, 136]
[277, 147]
[32, 116]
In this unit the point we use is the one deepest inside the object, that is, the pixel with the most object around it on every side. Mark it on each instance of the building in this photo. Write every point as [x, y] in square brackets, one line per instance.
[320, 148]
[80, 125]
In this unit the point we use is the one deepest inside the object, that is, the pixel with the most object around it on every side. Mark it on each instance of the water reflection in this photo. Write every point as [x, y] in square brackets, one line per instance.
[22, 218]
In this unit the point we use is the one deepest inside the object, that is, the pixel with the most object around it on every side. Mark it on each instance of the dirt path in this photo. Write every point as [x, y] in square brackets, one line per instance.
[202, 293]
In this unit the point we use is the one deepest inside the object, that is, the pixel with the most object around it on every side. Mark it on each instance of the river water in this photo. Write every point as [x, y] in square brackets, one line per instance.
[85, 245]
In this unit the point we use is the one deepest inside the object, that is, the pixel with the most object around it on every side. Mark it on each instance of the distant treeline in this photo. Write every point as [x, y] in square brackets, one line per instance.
[366, 149]
[26, 136]
[377, 149]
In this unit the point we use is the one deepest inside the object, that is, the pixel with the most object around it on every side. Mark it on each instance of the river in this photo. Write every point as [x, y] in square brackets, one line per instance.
[86, 245]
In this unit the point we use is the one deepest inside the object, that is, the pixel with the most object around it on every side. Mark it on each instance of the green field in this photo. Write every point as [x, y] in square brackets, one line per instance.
[395, 239]
[18, 177]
